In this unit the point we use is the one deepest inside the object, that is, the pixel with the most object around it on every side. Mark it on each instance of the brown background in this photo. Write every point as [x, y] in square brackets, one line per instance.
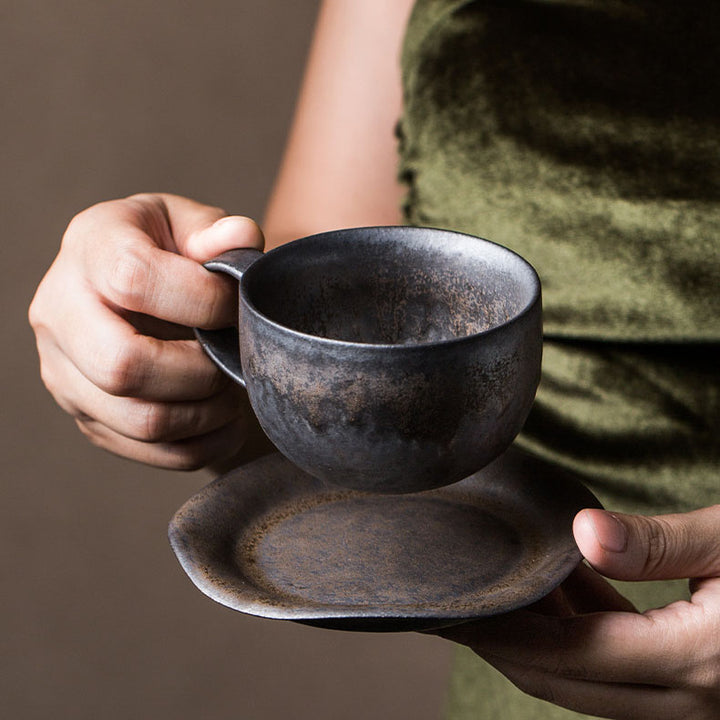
[102, 99]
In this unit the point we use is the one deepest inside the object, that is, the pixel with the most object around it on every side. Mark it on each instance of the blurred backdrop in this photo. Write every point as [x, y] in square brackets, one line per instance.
[99, 100]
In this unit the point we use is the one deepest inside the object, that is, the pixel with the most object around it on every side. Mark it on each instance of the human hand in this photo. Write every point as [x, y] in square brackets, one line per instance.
[595, 654]
[113, 319]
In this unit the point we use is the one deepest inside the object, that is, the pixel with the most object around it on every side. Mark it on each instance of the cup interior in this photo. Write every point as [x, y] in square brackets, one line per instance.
[391, 286]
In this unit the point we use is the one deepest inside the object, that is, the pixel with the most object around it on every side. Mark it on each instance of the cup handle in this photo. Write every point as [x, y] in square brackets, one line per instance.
[223, 346]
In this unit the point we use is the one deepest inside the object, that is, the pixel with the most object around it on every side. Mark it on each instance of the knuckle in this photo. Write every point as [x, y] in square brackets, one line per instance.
[656, 544]
[121, 372]
[153, 422]
[131, 278]
[34, 312]
[40, 310]
[76, 225]
[145, 199]
[76, 230]
[149, 211]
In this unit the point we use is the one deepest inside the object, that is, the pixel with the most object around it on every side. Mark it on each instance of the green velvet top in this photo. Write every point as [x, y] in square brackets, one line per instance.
[585, 135]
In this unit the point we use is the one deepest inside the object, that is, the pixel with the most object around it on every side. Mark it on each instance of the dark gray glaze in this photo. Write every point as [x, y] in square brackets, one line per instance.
[391, 359]
[270, 540]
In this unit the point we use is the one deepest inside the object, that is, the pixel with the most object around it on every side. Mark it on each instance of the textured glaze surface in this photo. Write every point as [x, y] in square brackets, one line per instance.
[387, 359]
[270, 540]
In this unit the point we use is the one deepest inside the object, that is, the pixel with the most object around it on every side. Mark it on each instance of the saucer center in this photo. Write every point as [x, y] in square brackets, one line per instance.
[419, 551]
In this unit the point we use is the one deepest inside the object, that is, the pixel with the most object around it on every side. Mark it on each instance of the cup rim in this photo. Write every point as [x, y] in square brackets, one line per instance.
[247, 304]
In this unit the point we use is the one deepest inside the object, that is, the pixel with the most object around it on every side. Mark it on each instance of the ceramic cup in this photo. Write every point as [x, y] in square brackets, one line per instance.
[387, 359]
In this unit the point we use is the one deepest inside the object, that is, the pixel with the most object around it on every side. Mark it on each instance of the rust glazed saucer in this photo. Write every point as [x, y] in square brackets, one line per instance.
[270, 540]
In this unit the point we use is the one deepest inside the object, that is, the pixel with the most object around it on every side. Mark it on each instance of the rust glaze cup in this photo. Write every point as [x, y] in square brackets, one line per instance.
[386, 359]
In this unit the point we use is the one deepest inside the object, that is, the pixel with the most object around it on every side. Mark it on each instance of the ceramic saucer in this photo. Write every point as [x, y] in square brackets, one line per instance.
[270, 540]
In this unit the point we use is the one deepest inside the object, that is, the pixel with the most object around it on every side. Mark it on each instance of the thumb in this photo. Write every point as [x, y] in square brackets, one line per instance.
[638, 547]
[227, 233]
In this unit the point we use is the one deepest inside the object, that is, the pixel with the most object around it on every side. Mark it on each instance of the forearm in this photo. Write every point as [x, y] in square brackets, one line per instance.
[339, 167]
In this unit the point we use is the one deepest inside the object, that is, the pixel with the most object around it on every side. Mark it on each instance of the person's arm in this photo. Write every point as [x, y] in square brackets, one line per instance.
[339, 167]
[112, 316]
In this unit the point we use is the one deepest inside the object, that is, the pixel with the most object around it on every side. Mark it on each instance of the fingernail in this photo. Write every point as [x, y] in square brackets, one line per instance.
[610, 532]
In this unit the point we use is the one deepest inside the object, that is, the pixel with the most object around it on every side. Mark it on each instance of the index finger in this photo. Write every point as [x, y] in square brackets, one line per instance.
[134, 275]
[129, 252]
